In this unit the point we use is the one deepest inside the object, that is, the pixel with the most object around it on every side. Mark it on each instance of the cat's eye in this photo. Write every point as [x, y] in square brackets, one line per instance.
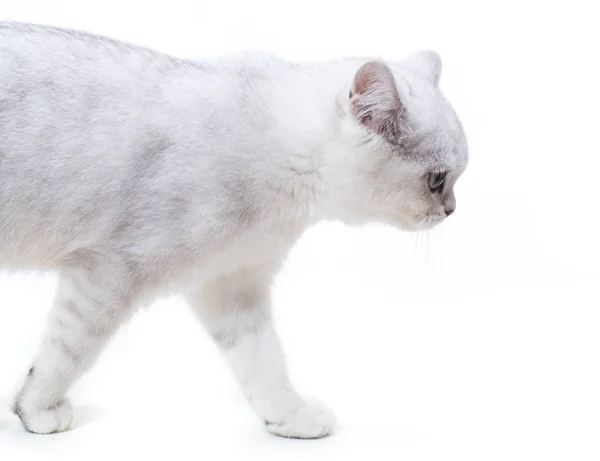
[436, 181]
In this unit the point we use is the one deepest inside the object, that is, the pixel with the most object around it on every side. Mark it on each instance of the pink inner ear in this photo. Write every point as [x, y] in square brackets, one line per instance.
[367, 76]
[375, 75]
[375, 100]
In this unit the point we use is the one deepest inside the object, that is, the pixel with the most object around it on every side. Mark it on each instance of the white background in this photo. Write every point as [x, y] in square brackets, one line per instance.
[477, 341]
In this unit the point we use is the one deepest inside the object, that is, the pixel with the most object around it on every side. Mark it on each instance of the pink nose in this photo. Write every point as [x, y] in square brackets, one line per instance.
[449, 211]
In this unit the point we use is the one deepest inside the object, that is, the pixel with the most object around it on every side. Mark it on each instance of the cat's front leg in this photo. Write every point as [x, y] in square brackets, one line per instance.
[236, 312]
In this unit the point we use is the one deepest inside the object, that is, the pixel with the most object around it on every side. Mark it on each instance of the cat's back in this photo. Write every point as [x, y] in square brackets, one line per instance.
[30, 47]
[70, 73]
[63, 86]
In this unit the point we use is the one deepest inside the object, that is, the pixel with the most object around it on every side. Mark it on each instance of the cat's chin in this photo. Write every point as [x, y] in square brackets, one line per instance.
[407, 225]
[415, 225]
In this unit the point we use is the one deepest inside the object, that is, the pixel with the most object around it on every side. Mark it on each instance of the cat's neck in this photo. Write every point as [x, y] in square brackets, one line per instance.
[308, 104]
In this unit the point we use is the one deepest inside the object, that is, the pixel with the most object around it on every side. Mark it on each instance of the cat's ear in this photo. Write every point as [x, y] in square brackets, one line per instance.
[427, 64]
[374, 99]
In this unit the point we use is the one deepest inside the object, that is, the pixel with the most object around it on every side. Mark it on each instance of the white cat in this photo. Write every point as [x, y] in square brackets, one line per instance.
[131, 173]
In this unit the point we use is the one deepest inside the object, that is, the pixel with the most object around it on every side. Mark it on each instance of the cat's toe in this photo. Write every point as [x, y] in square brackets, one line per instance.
[313, 420]
[56, 418]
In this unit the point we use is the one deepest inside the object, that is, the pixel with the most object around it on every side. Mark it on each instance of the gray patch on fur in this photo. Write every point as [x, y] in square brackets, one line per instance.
[229, 339]
[71, 307]
[73, 354]
[225, 339]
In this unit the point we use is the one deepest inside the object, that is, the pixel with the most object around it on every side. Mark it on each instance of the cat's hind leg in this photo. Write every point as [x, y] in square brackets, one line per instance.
[89, 307]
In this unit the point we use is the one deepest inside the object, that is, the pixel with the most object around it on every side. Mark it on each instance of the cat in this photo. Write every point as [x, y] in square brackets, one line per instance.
[132, 174]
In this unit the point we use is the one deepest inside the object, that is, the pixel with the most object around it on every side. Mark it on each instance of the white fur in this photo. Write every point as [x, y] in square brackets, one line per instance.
[132, 174]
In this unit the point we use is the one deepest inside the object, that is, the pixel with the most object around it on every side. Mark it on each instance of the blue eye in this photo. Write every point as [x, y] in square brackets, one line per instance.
[436, 181]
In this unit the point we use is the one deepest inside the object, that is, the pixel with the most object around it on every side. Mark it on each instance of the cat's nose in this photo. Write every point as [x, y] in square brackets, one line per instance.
[449, 211]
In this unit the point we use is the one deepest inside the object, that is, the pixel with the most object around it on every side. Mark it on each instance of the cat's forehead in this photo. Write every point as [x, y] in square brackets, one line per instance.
[436, 150]
[437, 140]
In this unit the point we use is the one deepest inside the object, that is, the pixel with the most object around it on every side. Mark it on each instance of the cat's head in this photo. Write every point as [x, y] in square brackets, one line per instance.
[404, 147]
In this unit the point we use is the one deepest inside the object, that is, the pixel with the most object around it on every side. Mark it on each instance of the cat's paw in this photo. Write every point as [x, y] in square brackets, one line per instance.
[57, 418]
[313, 420]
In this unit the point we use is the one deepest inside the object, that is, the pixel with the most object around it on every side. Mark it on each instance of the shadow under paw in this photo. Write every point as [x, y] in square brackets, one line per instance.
[86, 414]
